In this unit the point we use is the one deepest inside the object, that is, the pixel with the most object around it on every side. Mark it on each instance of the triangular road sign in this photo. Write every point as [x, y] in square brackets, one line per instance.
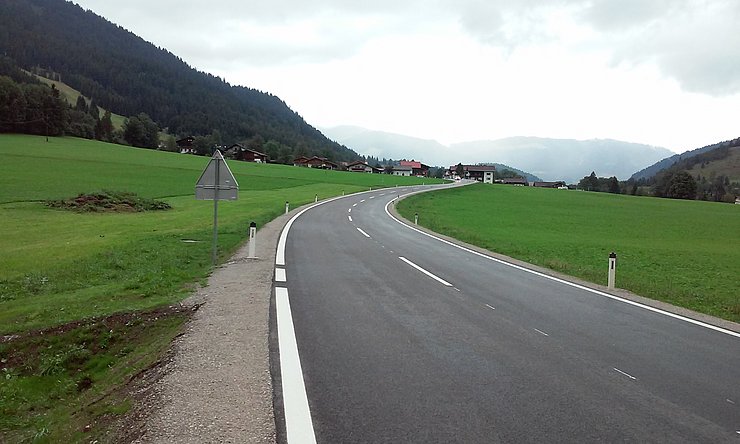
[216, 182]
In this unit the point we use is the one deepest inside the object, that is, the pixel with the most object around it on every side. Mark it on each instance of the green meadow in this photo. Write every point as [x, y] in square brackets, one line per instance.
[682, 252]
[60, 268]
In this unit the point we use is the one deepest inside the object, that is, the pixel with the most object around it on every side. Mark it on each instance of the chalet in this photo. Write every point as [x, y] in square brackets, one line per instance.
[362, 167]
[417, 168]
[315, 162]
[402, 171]
[481, 173]
[240, 152]
[517, 181]
[186, 145]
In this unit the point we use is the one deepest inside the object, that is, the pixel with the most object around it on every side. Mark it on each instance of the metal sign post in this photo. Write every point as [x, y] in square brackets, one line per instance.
[216, 183]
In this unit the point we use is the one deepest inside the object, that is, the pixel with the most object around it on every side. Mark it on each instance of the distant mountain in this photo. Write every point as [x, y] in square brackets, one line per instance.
[663, 164]
[127, 75]
[549, 159]
[389, 145]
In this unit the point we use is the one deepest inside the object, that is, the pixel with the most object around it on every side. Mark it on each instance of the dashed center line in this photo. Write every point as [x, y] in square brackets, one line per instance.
[372, 197]
[350, 218]
[436, 278]
[349, 210]
[625, 374]
[492, 308]
[280, 275]
[363, 200]
[364, 234]
[541, 332]
[354, 204]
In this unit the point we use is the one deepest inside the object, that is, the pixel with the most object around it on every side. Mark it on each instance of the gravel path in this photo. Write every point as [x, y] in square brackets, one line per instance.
[214, 385]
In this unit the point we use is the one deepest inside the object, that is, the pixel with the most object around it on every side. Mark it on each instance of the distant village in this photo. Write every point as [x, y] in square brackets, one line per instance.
[480, 173]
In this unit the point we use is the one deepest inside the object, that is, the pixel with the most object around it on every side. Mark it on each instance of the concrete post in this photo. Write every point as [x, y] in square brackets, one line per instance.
[612, 270]
[287, 207]
[252, 240]
[416, 218]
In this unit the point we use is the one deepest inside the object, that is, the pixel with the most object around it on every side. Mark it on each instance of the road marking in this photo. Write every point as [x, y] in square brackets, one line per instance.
[350, 218]
[492, 308]
[363, 200]
[564, 282]
[349, 210]
[625, 374]
[730, 401]
[298, 424]
[354, 204]
[372, 197]
[280, 275]
[541, 332]
[436, 278]
[360, 230]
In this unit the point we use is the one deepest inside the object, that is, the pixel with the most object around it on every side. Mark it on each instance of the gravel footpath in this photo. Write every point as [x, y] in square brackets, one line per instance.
[214, 384]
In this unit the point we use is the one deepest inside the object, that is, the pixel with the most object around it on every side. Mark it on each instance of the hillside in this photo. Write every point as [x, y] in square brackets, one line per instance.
[127, 75]
[652, 170]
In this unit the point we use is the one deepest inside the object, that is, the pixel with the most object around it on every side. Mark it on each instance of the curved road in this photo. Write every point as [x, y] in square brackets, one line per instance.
[405, 338]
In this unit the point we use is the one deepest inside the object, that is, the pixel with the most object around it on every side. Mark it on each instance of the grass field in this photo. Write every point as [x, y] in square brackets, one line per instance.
[682, 252]
[63, 268]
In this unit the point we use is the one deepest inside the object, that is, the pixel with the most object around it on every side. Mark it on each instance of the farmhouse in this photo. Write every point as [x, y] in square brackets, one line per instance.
[362, 167]
[417, 168]
[240, 152]
[481, 173]
[186, 145]
[557, 184]
[315, 162]
[517, 181]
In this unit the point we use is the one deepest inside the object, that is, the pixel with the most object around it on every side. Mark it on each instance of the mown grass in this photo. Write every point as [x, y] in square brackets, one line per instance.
[59, 267]
[682, 252]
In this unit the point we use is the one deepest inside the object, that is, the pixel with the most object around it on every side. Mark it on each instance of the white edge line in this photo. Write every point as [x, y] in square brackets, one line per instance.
[436, 278]
[625, 374]
[571, 284]
[280, 275]
[363, 233]
[298, 424]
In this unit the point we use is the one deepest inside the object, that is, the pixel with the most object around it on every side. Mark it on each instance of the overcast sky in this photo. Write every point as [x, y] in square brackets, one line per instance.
[660, 72]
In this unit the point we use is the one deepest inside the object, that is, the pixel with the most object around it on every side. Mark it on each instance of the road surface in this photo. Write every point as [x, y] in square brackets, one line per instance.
[404, 338]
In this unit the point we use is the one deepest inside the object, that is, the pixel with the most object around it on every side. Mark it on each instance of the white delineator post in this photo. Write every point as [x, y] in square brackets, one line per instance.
[316, 198]
[252, 240]
[287, 207]
[612, 270]
[416, 218]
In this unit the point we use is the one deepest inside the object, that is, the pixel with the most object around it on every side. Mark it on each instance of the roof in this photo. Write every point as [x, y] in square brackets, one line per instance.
[475, 168]
[402, 168]
[242, 148]
[413, 164]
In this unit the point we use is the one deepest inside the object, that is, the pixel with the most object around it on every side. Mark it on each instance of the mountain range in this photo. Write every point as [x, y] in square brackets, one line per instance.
[550, 159]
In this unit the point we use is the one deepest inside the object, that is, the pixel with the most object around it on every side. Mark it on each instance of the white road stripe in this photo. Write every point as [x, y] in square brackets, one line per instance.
[541, 332]
[349, 210]
[298, 424]
[350, 218]
[363, 200]
[492, 308]
[436, 278]
[564, 282]
[280, 275]
[354, 205]
[364, 234]
[625, 374]
[372, 197]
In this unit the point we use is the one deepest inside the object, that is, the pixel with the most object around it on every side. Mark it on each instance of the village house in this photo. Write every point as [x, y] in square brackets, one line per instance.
[186, 145]
[240, 152]
[402, 170]
[362, 167]
[417, 168]
[315, 162]
[557, 184]
[517, 181]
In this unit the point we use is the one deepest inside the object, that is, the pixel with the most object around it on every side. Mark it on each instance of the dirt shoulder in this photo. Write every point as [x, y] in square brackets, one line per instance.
[214, 384]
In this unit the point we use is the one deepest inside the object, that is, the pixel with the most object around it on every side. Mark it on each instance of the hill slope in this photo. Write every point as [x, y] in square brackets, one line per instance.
[128, 75]
[663, 164]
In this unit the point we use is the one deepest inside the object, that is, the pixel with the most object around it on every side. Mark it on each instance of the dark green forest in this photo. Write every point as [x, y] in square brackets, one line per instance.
[123, 73]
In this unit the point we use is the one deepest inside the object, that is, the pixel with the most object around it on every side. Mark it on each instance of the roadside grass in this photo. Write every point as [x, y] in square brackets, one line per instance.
[681, 252]
[59, 267]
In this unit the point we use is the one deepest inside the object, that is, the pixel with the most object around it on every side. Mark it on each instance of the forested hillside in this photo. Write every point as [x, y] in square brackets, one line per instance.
[127, 75]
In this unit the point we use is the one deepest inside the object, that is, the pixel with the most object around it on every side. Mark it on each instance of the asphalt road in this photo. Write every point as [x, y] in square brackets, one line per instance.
[403, 338]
